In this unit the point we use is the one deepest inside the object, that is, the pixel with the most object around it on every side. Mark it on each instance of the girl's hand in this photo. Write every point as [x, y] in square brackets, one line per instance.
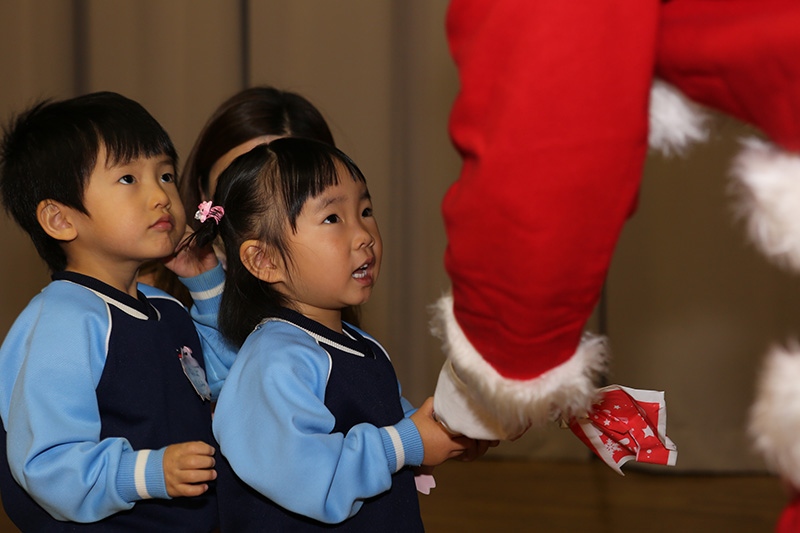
[438, 444]
[190, 261]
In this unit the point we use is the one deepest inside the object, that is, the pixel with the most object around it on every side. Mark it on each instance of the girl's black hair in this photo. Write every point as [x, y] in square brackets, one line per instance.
[263, 193]
[49, 151]
[249, 114]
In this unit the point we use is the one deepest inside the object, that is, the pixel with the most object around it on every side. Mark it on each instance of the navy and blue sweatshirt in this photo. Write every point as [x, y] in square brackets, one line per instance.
[92, 391]
[315, 434]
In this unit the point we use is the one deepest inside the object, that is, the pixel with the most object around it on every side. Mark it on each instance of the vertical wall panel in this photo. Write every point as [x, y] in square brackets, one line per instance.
[693, 307]
[37, 61]
[180, 58]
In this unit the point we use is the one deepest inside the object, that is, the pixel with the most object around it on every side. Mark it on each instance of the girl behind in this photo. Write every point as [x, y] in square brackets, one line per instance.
[310, 419]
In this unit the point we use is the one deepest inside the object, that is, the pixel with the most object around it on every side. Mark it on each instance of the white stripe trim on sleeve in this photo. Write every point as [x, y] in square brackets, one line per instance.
[139, 477]
[208, 294]
[397, 442]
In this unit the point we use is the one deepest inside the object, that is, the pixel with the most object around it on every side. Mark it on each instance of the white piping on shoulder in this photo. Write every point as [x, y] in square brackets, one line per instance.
[319, 339]
[111, 301]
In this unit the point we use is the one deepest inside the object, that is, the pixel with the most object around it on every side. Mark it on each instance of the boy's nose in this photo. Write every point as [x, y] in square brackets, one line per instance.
[160, 198]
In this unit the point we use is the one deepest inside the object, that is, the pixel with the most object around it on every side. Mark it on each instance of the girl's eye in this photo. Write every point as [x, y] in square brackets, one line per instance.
[167, 178]
[127, 179]
[367, 212]
[331, 219]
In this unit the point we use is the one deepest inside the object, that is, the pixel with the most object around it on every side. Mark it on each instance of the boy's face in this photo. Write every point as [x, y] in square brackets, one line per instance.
[336, 251]
[135, 215]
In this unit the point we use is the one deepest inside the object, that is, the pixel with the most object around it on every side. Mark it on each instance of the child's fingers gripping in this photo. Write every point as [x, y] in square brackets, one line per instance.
[458, 445]
[187, 467]
[190, 455]
[197, 461]
[200, 475]
[187, 490]
[190, 482]
[438, 443]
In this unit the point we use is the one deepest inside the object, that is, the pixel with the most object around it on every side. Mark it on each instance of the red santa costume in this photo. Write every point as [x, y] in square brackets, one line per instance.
[552, 129]
[556, 107]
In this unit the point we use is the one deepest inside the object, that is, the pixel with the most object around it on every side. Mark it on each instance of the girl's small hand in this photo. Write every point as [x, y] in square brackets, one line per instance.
[190, 261]
[438, 443]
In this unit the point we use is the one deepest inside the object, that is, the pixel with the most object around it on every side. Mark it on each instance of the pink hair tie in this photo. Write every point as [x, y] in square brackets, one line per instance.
[205, 211]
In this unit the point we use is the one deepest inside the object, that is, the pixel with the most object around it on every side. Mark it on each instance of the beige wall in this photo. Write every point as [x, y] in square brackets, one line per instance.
[690, 306]
[693, 307]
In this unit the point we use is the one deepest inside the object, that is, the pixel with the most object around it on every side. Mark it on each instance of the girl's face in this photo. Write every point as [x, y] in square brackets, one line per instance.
[336, 252]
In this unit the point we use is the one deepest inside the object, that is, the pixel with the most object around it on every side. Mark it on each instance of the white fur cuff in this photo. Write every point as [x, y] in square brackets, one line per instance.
[473, 399]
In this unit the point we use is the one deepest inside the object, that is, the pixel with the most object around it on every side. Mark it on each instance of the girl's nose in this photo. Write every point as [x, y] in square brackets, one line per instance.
[365, 238]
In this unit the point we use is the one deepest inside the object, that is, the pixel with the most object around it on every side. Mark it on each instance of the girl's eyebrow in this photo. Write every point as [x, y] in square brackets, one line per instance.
[325, 201]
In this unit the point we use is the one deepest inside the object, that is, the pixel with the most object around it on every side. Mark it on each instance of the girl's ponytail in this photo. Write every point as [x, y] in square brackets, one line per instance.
[209, 216]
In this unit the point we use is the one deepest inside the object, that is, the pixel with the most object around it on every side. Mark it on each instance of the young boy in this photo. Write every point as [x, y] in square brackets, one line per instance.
[106, 413]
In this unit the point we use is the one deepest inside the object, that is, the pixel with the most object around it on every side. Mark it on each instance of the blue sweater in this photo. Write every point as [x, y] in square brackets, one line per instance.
[92, 391]
[315, 432]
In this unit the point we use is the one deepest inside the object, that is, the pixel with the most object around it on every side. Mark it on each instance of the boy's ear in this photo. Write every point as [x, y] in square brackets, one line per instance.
[55, 219]
[258, 260]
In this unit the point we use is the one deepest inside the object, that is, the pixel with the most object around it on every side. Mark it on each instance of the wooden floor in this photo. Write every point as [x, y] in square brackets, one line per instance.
[588, 497]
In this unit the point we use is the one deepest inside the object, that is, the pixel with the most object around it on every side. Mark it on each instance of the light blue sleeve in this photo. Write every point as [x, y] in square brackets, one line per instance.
[218, 352]
[273, 427]
[50, 364]
[408, 409]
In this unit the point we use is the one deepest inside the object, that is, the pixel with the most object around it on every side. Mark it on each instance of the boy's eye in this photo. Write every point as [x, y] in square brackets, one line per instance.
[167, 178]
[331, 219]
[127, 179]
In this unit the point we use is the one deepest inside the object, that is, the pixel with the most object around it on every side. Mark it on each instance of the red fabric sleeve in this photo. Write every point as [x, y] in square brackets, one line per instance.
[551, 122]
[741, 57]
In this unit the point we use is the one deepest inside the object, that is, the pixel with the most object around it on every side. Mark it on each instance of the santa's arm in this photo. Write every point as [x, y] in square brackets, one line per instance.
[741, 58]
[551, 123]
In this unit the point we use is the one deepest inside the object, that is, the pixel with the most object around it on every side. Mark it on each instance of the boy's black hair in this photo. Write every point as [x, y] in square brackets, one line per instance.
[49, 151]
[263, 192]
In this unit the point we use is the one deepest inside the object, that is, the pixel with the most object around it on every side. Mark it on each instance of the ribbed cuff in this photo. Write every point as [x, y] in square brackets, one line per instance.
[141, 476]
[206, 286]
[403, 445]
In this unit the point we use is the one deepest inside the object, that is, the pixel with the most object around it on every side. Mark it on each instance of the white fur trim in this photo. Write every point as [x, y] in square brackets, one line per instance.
[767, 187]
[473, 399]
[460, 413]
[675, 121]
[774, 423]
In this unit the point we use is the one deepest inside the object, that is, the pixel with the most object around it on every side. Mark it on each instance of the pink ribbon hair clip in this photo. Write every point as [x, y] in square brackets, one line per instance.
[206, 211]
